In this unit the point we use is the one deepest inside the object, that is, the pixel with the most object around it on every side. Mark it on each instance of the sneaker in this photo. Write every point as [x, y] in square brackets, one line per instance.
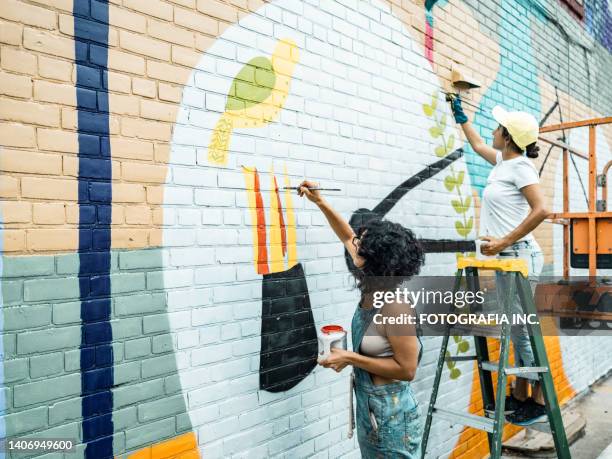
[529, 413]
[512, 404]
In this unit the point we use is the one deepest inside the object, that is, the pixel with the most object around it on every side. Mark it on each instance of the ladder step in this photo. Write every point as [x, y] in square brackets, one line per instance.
[466, 419]
[459, 358]
[515, 371]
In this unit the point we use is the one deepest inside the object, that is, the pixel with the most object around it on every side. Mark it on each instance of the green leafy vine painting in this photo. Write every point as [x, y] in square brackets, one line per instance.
[460, 201]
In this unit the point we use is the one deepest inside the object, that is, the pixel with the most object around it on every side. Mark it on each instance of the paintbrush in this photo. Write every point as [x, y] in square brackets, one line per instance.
[451, 95]
[297, 187]
[317, 189]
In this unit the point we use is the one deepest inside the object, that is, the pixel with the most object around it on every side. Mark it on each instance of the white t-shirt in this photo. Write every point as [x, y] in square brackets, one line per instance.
[504, 207]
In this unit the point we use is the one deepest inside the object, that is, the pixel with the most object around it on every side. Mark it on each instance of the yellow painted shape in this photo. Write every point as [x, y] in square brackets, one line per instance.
[276, 249]
[284, 58]
[144, 453]
[249, 179]
[290, 225]
[514, 265]
[184, 446]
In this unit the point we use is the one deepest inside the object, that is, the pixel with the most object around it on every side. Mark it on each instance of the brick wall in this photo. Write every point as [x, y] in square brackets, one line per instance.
[148, 309]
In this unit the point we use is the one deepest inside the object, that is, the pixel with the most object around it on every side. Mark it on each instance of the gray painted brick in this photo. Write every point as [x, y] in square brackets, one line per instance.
[66, 313]
[51, 289]
[125, 418]
[48, 340]
[127, 282]
[172, 384]
[117, 352]
[29, 266]
[46, 365]
[155, 323]
[15, 370]
[183, 422]
[137, 348]
[49, 389]
[6, 394]
[66, 410]
[160, 365]
[9, 346]
[126, 372]
[140, 304]
[70, 431]
[25, 421]
[12, 292]
[127, 327]
[26, 317]
[72, 360]
[119, 445]
[139, 259]
[161, 408]
[127, 395]
[149, 433]
[163, 343]
[56, 455]
[67, 264]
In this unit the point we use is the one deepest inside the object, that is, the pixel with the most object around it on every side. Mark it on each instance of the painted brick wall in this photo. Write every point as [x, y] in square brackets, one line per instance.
[148, 310]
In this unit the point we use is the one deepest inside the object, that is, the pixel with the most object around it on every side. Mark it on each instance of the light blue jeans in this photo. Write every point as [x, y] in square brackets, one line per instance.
[531, 252]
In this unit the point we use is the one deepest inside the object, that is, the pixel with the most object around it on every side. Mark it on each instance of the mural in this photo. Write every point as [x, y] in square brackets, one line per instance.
[328, 125]
[161, 285]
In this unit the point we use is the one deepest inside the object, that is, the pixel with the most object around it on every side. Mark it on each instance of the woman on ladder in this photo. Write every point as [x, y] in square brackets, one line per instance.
[384, 359]
[512, 207]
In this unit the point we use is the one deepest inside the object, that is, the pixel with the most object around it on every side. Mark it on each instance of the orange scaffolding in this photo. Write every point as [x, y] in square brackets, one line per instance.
[587, 236]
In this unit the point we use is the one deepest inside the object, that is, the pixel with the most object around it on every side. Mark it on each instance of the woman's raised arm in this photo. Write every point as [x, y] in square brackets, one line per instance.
[340, 226]
[477, 142]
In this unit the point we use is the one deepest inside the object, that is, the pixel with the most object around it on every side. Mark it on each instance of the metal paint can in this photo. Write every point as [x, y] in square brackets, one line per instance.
[479, 255]
[330, 337]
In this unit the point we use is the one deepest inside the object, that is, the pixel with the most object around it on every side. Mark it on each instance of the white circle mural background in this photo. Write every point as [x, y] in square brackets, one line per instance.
[293, 91]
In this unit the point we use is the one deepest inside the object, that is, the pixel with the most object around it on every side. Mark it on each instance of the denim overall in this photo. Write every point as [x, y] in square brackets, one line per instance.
[388, 415]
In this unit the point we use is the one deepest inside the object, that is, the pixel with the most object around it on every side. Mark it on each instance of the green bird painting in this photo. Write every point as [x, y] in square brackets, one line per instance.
[255, 98]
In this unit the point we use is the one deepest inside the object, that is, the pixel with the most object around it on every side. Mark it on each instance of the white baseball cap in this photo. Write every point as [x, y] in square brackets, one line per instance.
[522, 126]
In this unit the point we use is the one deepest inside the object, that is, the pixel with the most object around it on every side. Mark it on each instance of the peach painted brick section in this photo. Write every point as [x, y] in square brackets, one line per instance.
[51, 213]
[15, 85]
[30, 162]
[153, 46]
[49, 188]
[17, 135]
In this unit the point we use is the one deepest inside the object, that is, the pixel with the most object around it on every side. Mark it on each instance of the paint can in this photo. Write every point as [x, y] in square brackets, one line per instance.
[479, 255]
[330, 337]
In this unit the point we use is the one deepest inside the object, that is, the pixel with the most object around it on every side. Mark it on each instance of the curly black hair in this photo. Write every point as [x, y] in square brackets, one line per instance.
[390, 250]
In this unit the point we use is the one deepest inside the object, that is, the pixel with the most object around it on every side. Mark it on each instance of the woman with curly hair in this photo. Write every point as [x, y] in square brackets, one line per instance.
[384, 358]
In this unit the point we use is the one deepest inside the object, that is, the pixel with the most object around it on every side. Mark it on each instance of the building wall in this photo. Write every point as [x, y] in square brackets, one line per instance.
[161, 291]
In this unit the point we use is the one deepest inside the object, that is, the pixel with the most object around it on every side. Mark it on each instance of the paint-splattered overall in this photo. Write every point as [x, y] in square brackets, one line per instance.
[388, 416]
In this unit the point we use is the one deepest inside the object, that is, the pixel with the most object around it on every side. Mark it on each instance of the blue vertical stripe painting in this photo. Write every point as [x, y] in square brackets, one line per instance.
[94, 196]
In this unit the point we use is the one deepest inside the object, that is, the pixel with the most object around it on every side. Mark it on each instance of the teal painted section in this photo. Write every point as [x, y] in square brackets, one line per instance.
[41, 317]
[516, 86]
[39, 380]
[3, 389]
